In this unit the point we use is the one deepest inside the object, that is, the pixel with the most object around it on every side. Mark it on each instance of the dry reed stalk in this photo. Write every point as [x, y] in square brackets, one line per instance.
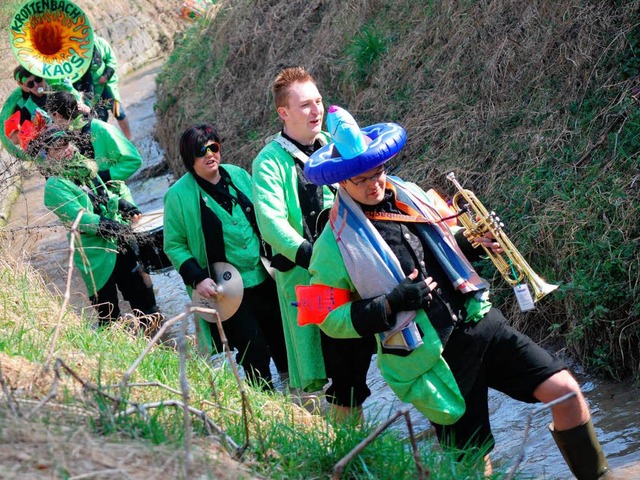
[67, 293]
[7, 393]
[184, 386]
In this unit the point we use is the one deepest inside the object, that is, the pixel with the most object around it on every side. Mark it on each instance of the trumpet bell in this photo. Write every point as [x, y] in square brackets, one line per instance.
[53, 39]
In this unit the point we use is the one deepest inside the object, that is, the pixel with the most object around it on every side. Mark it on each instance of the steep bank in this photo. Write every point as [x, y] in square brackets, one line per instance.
[530, 103]
[138, 31]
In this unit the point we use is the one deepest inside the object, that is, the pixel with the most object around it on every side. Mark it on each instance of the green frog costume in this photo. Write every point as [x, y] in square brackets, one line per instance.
[280, 218]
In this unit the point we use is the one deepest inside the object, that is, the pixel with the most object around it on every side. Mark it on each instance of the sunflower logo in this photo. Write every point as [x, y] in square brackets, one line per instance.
[52, 39]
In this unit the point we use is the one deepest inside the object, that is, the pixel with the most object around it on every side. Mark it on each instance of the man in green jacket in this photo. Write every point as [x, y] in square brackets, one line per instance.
[116, 156]
[409, 281]
[105, 257]
[287, 210]
[99, 85]
[209, 218]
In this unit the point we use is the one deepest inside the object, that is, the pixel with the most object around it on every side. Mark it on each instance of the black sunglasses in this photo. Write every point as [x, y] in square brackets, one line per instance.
[31, 83]
[212, 147]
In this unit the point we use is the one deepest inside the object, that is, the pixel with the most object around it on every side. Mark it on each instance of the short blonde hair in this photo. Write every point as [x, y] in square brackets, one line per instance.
[287, 77]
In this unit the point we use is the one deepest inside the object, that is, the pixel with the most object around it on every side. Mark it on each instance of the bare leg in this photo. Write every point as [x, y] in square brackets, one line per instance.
[566, 415]
[572, 428]
[124, 126]
[488, 468]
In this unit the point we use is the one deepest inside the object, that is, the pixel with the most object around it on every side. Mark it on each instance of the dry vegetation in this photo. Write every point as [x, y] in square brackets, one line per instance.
[530, 103]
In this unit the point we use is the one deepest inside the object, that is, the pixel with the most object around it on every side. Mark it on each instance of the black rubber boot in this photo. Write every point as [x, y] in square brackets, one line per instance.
[582, 452]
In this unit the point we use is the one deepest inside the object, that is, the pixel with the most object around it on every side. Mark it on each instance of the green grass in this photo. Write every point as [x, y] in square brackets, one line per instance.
[285, 441]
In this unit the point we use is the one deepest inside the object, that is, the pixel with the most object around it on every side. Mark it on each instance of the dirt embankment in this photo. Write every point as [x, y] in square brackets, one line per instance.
[138, 32]
[531, 103]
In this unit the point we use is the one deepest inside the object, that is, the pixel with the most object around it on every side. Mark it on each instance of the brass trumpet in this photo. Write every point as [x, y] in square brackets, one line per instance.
[511, 264]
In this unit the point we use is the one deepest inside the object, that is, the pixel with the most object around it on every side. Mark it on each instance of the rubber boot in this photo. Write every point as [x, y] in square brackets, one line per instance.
[582, 451]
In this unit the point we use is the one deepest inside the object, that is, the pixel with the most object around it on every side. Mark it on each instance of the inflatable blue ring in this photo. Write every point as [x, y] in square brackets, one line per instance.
[325, 166]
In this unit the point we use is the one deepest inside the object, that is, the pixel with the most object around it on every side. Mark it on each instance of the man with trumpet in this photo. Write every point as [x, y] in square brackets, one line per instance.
[406, 277]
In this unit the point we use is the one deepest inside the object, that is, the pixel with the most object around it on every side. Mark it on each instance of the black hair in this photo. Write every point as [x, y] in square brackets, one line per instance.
[192, 141]
[51, 137]
[64, 104]
[20, 73]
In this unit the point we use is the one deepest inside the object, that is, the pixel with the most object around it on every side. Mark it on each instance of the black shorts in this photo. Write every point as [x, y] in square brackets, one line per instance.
[492, 354]
[347, 361]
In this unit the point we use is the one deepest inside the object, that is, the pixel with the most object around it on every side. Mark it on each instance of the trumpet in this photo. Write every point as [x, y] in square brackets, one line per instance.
[510, 263]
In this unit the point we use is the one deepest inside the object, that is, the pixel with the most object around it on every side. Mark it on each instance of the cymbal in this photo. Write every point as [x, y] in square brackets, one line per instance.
[230, 291]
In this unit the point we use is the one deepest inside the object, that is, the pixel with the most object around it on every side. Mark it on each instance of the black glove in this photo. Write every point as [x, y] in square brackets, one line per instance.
[408, 295]
[303, 255]
[108, 72]
[127, 209]
[108, 228]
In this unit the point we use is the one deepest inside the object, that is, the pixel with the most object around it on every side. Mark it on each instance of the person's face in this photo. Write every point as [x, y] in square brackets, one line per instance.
[367, 188]
[207, 163]
[61, 151]
[303, 114]
[59, 120]
[32, 84]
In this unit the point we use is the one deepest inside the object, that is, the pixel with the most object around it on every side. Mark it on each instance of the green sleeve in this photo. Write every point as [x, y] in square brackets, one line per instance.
[108, 55]
[176, 245]
[113, 151]
[327, 268]
[7, 111]
[66, 200]
[276, 202]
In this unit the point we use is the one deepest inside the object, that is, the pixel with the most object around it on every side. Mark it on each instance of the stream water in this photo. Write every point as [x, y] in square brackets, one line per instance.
[615, 407]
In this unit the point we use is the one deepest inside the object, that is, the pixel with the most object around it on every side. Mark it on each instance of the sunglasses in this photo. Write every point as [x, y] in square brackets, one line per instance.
[212, 147]
[32, 83]
[373, 178]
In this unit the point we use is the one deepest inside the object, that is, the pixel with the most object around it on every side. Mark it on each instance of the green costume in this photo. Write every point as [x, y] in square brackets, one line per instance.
[69, 191]
[279, 216]
[184, 238]
[111, 149]
[21, 100]
[422, 377]
[104, 62]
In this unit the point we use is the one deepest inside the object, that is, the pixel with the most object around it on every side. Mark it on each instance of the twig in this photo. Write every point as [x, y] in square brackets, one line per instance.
[184, 385]
[423, 472]
[53, 391]
[10, 400]
[146, 384]
[87, 386]
[527, 427]
[246, 408]
[159, 333]
[99, 473]
[209, 424]
[67, 291]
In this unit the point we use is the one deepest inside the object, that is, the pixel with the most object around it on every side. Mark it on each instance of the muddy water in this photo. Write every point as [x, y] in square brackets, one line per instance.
[615, 407]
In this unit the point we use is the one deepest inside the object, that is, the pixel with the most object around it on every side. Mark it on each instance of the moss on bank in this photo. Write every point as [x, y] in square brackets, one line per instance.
[530, 103]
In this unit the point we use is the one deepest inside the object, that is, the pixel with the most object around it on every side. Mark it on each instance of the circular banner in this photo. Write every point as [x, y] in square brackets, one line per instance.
[53, 39]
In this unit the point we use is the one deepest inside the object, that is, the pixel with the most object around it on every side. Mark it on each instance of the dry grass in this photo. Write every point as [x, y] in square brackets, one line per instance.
[61, 446]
